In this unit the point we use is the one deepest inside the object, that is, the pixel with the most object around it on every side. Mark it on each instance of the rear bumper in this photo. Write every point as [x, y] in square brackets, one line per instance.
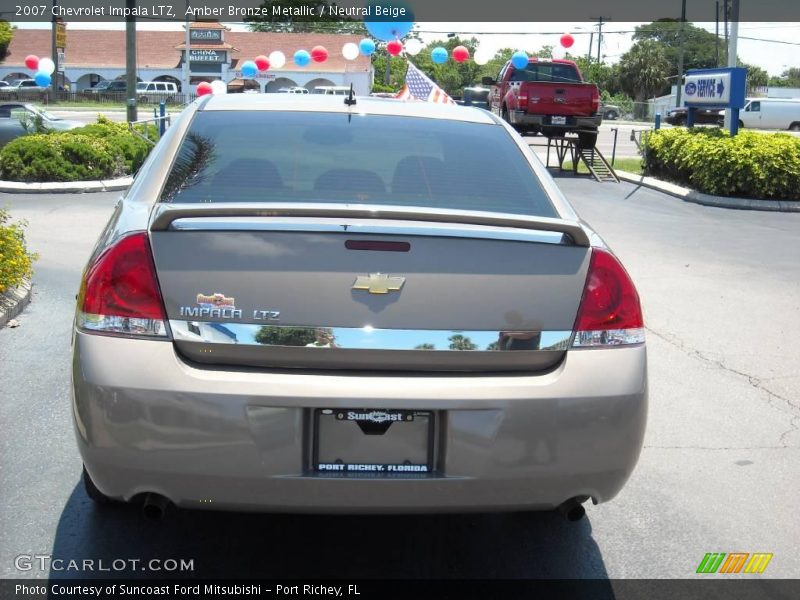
[146, 421]
[520, 117]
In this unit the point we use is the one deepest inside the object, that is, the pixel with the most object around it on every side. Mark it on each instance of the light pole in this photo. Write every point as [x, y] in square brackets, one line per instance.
[681, 48]
[732, 43]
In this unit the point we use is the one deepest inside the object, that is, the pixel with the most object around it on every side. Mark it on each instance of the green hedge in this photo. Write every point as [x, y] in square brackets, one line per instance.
[100, 150]
[60, 157]
[749, 165]
[15, 261]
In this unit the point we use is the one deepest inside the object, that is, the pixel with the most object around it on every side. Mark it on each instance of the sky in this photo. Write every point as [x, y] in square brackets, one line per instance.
[781, 52]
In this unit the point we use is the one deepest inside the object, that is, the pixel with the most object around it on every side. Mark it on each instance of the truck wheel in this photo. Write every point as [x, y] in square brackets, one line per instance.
[611, 115]
[794, 127]
[587, 140]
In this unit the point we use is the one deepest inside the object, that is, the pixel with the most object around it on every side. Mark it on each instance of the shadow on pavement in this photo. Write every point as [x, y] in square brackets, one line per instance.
[238, 545]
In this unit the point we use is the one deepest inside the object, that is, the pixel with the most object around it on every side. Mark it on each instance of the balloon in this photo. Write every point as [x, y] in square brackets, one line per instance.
[350, 51]
[42, 79]
[32, 62]
[366, 46]
[46, 65]
[248, 69]
[388, 30]
[394, 47]
[519, 59]
[567, 40]
[302, 58]
[460, 54]
[262, 62]
[413, 47]
[319, 54]
[482, 57]
[204, 88]
[439, 55]
[277, 59]
[218, 87]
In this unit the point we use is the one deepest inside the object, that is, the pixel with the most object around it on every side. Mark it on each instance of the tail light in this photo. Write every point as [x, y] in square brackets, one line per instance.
[596, 101]
[610, 314]
[120, 292]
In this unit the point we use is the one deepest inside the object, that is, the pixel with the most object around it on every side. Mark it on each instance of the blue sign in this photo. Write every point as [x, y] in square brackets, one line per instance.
[715, 88]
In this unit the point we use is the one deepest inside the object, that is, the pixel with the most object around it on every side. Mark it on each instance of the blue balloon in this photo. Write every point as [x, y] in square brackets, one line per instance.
[439, 55]
[366, 47]
[519, 59]
[388, 30]
[42, 79]
[249, 69]
[302, 58]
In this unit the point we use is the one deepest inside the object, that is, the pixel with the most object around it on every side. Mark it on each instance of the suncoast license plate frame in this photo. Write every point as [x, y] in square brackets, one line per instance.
[374, 442]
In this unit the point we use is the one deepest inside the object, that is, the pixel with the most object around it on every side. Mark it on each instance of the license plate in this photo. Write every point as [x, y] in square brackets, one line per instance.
[373, 441]
[558, 120]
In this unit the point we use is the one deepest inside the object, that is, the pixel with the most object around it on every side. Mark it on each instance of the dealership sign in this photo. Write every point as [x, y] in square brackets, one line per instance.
[718, 88]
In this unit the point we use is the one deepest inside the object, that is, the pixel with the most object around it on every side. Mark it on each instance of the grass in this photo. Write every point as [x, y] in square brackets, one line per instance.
[631, 165]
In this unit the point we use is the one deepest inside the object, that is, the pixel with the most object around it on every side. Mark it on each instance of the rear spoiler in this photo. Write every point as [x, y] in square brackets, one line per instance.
[164, 214]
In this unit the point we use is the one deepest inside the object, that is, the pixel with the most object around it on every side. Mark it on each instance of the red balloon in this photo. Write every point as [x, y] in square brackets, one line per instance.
[262, 62]
[319, 54]
[32, 62]
[394, 47]
[460, 54]
[567, 40]
[203, 88]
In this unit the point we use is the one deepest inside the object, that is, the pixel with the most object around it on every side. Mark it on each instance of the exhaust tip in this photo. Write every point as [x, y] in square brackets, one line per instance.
[154, 507]
[572, 510]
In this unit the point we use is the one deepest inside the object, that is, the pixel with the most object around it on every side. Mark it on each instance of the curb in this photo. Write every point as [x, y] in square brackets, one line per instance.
[66, 187]
[13, 301]
[689, 195]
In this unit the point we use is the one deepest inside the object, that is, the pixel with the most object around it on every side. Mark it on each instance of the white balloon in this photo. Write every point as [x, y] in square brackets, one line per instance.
[350, 51]
[413, 46]
[47, 65]
[218, 87]
[276, 59]
[481, 57]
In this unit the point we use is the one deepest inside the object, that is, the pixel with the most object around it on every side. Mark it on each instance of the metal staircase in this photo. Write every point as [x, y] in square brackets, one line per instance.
[597, 164]
[567, 147]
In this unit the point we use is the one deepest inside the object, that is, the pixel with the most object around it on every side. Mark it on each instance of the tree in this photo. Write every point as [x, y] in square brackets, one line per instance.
[425, 347]
[6, 33]
[452, 77]
[320, 21]
[756, 76]
[459, 342]
[699, 44]
[643, 72]
[789, 78]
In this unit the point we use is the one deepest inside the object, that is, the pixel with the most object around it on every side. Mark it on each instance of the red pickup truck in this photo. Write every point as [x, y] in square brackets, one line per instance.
[548, 97]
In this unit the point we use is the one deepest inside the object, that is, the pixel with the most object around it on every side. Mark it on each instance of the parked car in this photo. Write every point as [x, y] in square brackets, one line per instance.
[293, 90]
[476, 96]
[17, 119]
[26, 86]
[771, 113]
[610, 111]
[548, 97]
[4, 85]
[156, 91]
[464, 340]
[679, 115]
[115, 88]
[331, 90]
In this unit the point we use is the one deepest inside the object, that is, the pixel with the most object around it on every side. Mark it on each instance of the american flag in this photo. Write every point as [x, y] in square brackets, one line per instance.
[419, 87]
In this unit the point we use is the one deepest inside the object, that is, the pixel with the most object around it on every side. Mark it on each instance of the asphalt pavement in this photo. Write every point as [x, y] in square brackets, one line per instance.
[718, 473]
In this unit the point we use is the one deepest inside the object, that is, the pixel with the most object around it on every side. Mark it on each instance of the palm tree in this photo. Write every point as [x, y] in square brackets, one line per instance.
[425, 347]
[459, 342]
[643, 72]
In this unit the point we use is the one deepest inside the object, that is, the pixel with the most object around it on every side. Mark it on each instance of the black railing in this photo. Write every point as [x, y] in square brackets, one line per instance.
[92, 96]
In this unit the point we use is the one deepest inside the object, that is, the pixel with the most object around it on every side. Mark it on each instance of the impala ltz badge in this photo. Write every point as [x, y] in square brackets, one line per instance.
[378, 283]
[213, 306]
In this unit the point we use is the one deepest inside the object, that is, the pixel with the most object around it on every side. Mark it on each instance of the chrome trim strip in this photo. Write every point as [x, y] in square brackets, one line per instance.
[365, 227]
[366, 338]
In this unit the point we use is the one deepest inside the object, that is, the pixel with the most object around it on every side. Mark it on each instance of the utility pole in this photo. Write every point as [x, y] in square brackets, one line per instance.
[130, 61]
[54, 55]
[726, 10]
[716, 33]
[591, 46]
[600, 21]
[186, 86]
[681, 49]
[734, 38]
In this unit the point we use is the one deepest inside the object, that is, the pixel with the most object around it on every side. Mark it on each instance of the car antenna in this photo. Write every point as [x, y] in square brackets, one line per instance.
[350, 99]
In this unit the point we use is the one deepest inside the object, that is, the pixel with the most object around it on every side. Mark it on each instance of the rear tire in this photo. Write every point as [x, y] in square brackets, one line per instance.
[587, 140]
[794, 127]
[611, 115]
[95, 494]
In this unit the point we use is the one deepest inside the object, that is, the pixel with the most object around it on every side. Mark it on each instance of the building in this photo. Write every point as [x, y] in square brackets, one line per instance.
[215, 52]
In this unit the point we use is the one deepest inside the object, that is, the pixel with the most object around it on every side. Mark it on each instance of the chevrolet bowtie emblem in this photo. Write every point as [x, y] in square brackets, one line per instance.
[378, 283]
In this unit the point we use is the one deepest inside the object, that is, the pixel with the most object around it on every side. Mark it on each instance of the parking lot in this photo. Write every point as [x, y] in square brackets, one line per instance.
[718, 473]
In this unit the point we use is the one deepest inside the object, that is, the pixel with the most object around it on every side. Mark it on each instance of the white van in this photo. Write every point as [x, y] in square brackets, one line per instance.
[332, 90]
[293, 90]
[155, 91]
[771, 113]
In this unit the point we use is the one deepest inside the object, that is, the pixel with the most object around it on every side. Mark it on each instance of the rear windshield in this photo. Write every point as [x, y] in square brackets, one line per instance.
[552, 72]
[271, 156]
